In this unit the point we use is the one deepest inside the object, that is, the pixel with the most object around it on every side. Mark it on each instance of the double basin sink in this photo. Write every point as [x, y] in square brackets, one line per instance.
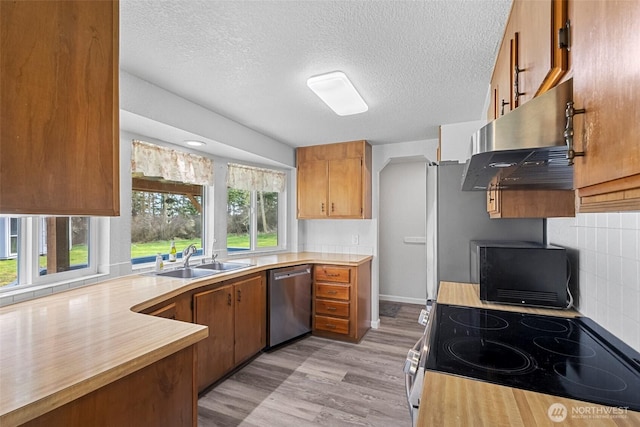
[203, 270]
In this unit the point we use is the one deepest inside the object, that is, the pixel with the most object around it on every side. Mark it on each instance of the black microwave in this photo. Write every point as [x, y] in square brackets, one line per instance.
[521, 273]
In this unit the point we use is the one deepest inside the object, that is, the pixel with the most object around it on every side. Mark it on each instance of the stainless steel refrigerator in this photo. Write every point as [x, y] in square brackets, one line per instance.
[456, 217]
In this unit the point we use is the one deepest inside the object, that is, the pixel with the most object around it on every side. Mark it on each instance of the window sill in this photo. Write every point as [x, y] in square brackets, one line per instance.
[25, 293]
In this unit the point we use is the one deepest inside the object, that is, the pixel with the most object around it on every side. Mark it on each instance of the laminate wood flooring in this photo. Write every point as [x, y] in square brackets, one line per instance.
[320, 382]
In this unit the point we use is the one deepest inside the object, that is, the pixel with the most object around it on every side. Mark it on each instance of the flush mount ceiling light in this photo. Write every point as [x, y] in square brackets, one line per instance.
[194, 143]
[338, 93]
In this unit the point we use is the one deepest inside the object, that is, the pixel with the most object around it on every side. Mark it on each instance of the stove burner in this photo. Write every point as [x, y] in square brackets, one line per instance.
[490, 355]
[589, 376]
[564, 347]
[544, 325]
[479, 321]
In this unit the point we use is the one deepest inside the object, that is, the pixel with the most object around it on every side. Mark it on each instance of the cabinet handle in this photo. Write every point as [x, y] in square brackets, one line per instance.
[333, 208]
[322, 207]
[332, 292]
[331, 308]
[502, 104]
[239, 296]
[516, 82]
[330, 326]
[229, 299]
[569, 112]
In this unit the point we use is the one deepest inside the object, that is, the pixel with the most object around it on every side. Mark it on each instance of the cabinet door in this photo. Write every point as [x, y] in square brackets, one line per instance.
[607, 85]
[250, 317]
[312, 189]
[214, 354]
[536, 49]
[501, 82]
[59, 134]
[345, 188]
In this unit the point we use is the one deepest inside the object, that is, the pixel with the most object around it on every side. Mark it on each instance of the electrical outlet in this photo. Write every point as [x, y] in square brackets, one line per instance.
[354, 239]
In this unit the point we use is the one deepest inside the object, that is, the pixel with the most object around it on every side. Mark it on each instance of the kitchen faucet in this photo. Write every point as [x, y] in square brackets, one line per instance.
[187, 252]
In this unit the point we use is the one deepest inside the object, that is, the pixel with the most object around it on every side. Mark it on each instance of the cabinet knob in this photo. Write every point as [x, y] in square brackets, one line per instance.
[569, 112]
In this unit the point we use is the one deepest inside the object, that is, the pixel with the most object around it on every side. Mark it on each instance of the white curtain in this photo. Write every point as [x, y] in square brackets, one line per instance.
[249, 178]
[155, 161]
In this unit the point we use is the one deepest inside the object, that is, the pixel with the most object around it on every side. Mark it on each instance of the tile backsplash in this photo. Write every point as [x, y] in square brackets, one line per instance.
[608, 270]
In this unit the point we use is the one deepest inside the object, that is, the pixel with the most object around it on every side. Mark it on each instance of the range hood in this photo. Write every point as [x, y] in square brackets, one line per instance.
[524, 148]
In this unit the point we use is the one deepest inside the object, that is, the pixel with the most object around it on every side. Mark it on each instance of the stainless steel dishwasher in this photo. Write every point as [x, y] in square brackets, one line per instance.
[289, 299]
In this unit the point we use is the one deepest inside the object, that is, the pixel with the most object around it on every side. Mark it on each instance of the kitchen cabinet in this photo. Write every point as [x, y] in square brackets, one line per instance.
[334, 181]
[342, 301]
[236, 316]
[178, 308]
[530, 60]
[512, 203]
[59, 135]
[606, 84]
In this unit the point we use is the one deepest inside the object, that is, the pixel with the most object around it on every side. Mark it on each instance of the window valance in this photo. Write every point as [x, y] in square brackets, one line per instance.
[249, 178]
[155, 161]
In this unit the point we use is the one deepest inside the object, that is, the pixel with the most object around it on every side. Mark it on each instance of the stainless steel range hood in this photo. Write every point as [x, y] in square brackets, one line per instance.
[524, 148]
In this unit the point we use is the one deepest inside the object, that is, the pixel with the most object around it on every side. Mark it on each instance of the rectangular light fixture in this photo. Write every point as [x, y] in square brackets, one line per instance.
[338, 93]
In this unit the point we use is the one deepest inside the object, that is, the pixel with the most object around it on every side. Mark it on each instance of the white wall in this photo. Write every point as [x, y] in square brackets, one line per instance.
[402, 226]
[455, 140]
[608, 270]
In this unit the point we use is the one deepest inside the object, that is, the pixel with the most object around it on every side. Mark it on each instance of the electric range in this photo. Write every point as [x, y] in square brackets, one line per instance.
[569, 357]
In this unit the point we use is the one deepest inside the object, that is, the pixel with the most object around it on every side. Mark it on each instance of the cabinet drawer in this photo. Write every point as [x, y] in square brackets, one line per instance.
[331, 324]
[333, 274]
[324, 290]
[332, 308]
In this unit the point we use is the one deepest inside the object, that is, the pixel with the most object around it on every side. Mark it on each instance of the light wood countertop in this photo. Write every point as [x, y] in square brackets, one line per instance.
[449, 400]
[57, 348]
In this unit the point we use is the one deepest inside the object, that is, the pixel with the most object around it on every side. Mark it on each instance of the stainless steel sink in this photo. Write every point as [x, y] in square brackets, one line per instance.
[222, 266]
[187, 273]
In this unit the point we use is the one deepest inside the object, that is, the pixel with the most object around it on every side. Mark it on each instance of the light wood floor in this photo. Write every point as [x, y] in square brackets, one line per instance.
[316, 381]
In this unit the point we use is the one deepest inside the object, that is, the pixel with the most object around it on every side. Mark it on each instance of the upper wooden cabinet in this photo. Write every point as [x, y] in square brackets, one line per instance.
[503, 203]
[334, 181]
[606, 84]
[59, 134]
[530, 60]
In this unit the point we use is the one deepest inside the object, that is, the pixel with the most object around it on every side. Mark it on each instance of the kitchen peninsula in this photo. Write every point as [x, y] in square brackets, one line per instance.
[87, 355]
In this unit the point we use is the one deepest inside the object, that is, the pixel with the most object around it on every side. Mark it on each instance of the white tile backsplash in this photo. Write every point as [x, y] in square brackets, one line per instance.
[609, 268]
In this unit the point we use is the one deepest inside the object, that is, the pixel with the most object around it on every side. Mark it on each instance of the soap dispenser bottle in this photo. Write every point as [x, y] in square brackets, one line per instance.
[159, 263]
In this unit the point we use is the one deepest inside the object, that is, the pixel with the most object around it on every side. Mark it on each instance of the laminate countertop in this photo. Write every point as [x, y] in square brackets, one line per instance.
[449, 400]
[58, 348]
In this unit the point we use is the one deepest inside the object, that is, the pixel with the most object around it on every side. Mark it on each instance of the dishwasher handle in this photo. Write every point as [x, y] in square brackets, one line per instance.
[288, 274]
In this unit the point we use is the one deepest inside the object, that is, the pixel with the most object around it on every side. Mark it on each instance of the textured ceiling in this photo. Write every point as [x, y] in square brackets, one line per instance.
[418, 64]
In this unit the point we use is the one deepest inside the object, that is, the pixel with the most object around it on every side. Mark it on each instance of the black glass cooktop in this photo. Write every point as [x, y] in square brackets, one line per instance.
[574, 358]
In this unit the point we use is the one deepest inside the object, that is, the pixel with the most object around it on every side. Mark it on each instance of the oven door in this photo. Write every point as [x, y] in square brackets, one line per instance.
[415, 363]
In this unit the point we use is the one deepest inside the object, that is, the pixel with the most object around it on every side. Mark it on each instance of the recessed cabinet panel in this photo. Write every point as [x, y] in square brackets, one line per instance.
[59, 134]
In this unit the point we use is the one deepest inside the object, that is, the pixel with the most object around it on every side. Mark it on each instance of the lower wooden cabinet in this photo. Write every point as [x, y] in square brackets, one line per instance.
[236, 316]
[342, 301]
[178, 308]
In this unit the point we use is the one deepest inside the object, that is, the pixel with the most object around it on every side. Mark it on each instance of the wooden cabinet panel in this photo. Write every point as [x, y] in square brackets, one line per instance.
[312, 180]
[334, 181]
[250, 317]
[59, 134]
[177, 308]
[606, 83]
[236, 316]
[161, 394]
[215, 354]
[333, 273]
[332, 291]
[510, 203]
[342, 301]
[332, 324]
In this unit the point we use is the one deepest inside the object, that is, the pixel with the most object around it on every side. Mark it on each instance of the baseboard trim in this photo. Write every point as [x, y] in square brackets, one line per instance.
[392, 298]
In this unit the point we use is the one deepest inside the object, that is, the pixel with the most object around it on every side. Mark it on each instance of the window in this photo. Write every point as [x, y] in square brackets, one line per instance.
[254, 208]
[162, 212]
[167, 200]
[46, 249]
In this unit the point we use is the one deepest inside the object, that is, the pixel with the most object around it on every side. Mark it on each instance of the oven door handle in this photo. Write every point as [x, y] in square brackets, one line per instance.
[410, 370]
